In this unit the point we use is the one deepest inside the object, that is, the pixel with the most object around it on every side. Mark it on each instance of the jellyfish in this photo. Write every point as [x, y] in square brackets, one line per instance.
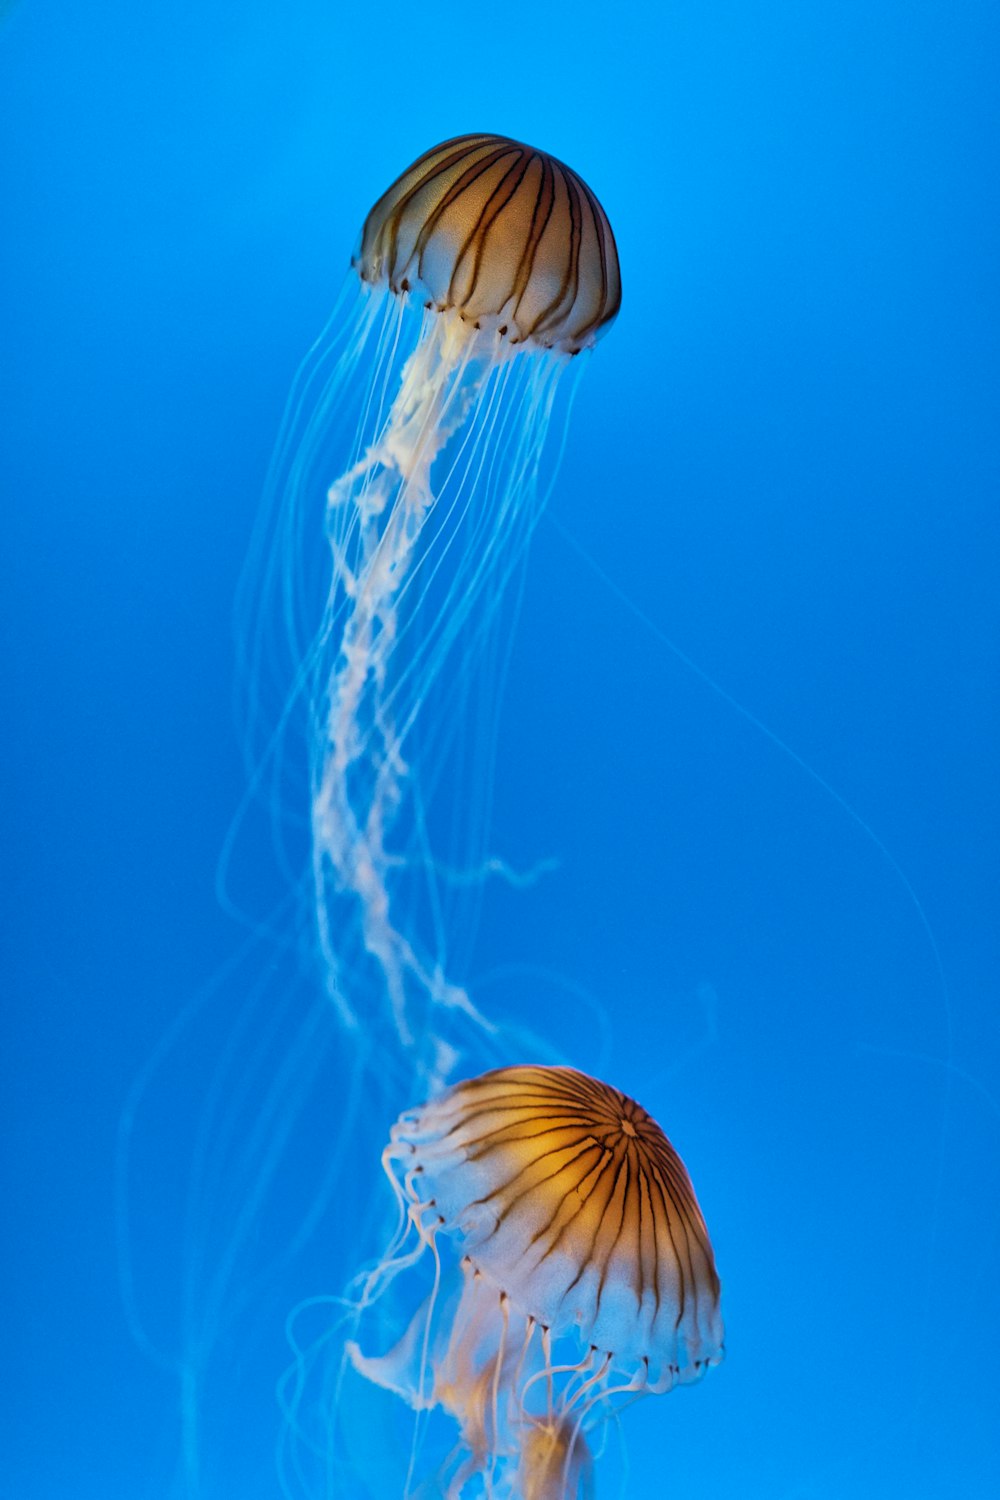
[484, 270]
[572, 1271]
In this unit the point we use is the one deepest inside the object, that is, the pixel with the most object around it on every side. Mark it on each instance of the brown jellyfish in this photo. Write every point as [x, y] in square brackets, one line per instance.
[586, 1272]
[483, 269]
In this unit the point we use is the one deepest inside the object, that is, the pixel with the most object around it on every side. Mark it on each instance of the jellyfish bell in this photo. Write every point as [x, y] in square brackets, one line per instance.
[505, 236]
[570, 1199]
[586, 1270]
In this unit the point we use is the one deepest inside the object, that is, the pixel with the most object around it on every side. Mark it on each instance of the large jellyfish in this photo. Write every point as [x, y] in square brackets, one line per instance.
[584, 1273]
[484, 269]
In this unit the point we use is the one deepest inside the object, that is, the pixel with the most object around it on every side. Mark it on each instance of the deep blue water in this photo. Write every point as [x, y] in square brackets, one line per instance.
[783, 461]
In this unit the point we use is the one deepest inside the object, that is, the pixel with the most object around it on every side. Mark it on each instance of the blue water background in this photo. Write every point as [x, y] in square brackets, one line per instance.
[783, 458]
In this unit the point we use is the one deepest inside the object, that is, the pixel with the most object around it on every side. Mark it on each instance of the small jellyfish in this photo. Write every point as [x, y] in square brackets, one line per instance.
[585, 1273]
[484, 269]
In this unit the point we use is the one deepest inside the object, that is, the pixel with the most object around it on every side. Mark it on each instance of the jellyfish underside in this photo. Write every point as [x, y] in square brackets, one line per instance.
[571, 1271]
